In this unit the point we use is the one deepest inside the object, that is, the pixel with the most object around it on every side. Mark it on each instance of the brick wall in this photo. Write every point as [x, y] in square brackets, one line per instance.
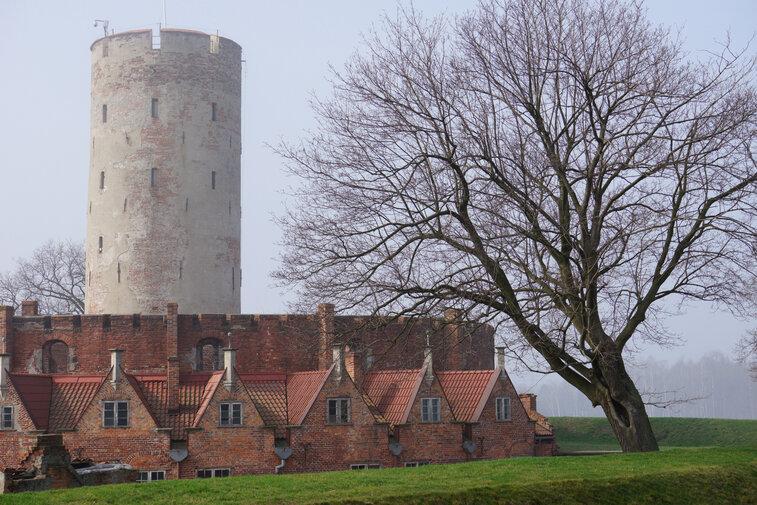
[318, 446]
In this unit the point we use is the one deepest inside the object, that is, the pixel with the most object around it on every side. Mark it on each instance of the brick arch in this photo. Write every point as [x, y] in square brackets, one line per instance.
[208, 354]
[55, 357]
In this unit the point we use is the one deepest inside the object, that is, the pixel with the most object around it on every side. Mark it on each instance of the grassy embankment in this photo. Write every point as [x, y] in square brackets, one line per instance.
[710, 475]
[594, 433]
[714, 475]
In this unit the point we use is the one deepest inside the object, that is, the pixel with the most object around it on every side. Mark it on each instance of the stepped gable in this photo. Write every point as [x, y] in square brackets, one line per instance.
[467, 391]
[269, 394]
[195, 392]
[35, 392]
[71, 395]
[393, 392]
[302, 388]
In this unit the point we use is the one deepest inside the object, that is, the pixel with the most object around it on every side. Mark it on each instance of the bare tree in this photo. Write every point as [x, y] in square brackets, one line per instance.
[558, 168]
[54, 276]
[747, 352]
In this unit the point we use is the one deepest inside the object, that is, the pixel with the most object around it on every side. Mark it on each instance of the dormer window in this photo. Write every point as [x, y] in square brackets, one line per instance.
[231, 414]
[503, 408]
[339, 411]
[6, 417]
[431, 410]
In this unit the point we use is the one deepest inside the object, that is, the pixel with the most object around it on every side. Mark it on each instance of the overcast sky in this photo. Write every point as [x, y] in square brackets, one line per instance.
[288, 46]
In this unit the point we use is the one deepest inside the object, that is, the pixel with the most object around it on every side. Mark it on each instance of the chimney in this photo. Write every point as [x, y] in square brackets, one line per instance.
[5, 367]
[30, 308]
[428, 364]
[172, 382]
[354, 366]
[116, 362]
[500, 358]
[337, 353]
[172, 355]
[6, 328]
[229, 364]
[325, 334]
[172, 329]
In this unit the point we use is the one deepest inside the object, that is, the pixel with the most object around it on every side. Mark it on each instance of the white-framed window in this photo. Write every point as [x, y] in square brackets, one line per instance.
[413, 464]
[365, 466]
[115, 414]
[431, 410]
[6, 417]
[152, 476]
[338, 410]
[209, 473]
[503, 408]
[231, 414]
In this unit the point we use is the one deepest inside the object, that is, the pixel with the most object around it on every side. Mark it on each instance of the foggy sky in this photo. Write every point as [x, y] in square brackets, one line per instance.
[288, 46]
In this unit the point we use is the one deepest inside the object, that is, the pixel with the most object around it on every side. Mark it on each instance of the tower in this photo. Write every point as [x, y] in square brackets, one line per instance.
[163, 210]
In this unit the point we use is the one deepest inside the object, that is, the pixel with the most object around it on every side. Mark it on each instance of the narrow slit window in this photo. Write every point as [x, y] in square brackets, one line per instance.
[105, 113]
[99, 246]
[154, 108]
[118, 271]
[213, 180]
[105, 49]
[182, 137]
[102, 180]
[186, 205]
[232, 279]
[124, 204]
[181, 269]
[90, 207]
[153, 177]
[213, 108]
[229, 207]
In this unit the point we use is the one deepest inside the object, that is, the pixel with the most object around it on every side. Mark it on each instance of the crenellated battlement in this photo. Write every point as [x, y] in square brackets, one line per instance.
[171, 40]
[265, 342]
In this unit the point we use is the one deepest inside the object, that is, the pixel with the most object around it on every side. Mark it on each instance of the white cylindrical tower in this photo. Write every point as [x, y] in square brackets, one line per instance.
[163, 209]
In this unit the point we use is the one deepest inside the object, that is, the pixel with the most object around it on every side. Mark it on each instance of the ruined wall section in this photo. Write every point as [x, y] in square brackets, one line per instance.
[164, 212]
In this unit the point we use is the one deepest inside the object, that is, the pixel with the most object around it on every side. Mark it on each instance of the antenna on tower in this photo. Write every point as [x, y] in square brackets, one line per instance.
[165, 23]
[104, 22]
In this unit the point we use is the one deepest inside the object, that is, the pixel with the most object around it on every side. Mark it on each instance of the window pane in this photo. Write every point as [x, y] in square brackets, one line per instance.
[424, 410]
[224, 414]
[436, 413]
[237, 413]
[109, 414]
[123, 414]
[332, 411]
[345, 411]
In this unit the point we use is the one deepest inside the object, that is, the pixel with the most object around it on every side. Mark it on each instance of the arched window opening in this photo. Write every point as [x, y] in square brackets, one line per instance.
[209, 354]
[54, 357]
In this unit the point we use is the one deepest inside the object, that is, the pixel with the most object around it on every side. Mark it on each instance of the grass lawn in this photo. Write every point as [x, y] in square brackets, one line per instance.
[709, 475]
[594, 433]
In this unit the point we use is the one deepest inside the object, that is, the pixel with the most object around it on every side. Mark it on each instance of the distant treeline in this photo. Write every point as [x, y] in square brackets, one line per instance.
[714, 386]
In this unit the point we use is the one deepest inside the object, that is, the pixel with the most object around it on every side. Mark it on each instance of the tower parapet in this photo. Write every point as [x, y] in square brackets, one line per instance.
[163, 209]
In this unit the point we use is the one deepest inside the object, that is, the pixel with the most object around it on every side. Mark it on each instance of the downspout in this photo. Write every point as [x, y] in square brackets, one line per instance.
[279, 467]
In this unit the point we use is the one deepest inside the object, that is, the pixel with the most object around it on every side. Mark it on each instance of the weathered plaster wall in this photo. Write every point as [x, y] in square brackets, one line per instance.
[174, 238]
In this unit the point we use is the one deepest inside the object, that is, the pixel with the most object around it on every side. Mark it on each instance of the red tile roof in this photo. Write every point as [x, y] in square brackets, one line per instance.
[269, 394]
[393, 392]
[71, 395]
[302, 390]
[195, 391]
[35, 392]
[467, 391]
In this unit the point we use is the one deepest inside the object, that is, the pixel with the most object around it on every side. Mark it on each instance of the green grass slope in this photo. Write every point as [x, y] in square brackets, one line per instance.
[712, 475]
[594, 433]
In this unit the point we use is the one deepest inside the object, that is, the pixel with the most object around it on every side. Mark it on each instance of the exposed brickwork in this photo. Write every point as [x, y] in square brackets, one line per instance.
[280, 349]
[266, 343]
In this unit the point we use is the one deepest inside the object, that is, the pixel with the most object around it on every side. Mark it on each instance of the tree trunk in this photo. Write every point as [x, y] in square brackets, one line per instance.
[622, 402]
